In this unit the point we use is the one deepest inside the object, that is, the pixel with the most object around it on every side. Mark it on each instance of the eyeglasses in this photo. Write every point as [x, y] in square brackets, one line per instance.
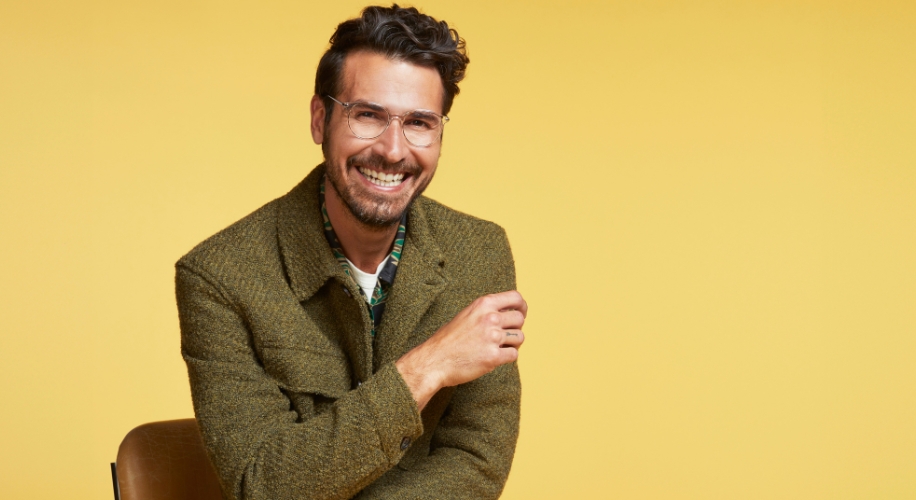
[368, 120]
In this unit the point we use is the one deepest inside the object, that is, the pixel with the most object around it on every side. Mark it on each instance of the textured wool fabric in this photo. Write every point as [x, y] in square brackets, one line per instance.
[292, 398]
[375, 293]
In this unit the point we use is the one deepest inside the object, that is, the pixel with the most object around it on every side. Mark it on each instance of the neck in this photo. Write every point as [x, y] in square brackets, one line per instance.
[365, 246]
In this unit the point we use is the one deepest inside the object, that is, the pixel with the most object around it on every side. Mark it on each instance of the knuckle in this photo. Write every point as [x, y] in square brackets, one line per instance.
[498, 358]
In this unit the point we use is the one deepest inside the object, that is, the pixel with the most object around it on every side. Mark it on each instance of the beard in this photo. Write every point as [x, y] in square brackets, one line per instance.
[373, 209]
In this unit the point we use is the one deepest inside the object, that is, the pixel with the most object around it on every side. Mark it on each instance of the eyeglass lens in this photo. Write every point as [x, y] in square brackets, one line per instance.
[368, 122]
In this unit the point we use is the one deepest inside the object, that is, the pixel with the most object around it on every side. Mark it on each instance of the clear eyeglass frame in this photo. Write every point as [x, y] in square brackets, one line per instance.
[418, 138]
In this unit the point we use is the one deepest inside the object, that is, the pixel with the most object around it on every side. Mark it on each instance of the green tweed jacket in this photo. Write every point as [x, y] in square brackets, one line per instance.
[293, 397]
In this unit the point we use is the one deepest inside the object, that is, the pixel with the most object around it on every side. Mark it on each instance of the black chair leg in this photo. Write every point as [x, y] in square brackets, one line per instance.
[114, 481]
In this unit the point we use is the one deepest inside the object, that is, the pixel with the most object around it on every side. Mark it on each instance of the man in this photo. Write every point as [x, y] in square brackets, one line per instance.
[352, 338]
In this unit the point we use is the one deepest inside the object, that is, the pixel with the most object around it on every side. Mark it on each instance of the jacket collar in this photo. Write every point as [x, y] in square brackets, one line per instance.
[310, 263]
[420, 279]
[305, 252]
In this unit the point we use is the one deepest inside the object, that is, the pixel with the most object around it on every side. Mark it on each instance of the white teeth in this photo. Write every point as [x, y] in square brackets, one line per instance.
[381, 178]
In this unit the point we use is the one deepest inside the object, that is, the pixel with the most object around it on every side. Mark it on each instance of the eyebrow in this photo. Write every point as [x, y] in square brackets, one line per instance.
[378, 107]
[423, 112]
[372, 105]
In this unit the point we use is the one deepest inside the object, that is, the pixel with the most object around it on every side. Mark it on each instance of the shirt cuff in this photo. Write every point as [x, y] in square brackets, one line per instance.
[396, 412]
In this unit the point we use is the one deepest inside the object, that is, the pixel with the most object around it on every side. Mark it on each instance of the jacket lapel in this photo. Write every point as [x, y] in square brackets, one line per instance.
[308, 259]
[418, 282]
[310, 263]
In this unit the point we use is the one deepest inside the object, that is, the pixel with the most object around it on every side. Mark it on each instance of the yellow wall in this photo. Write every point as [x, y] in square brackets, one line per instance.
[712, 207]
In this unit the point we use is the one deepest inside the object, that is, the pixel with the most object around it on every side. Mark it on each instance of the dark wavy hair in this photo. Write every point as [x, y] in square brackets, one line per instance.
[398, 33]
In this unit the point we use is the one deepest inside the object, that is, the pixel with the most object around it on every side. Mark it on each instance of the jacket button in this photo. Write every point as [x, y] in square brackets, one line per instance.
[346, 291]
[405, 443]
[359, 383]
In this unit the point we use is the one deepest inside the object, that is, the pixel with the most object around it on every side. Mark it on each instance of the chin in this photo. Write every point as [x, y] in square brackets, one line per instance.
[369, 208]
[376, 215]
[372, 207]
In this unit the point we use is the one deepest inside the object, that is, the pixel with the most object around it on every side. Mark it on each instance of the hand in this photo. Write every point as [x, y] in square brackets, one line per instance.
[484, 335]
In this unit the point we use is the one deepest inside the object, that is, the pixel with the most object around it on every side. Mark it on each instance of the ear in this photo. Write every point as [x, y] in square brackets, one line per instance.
[317, 108]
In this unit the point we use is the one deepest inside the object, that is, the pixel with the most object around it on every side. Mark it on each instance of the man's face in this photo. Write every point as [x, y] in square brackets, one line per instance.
[353, 163]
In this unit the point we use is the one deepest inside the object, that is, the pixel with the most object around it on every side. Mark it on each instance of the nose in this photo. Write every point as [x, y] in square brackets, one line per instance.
[392, 144]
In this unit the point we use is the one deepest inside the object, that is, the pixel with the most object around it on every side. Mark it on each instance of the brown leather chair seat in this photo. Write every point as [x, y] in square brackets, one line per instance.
[165, 461]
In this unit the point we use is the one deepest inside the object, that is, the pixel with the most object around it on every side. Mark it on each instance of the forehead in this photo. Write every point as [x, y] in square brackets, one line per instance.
[398, 85]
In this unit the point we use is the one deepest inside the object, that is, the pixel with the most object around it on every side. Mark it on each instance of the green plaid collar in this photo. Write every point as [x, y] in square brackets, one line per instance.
[376, 303]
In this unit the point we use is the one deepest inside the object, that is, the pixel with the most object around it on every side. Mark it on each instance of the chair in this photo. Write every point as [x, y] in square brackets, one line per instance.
[164, 461]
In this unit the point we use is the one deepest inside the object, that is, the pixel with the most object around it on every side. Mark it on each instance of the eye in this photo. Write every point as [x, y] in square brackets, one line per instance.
[365, 113]
[421, 121]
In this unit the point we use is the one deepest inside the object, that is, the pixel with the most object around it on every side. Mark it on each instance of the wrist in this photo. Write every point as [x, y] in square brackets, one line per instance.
[423, 382]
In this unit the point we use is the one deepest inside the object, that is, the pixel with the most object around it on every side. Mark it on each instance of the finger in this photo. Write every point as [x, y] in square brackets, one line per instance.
[507, 354]
[513, 338]
[523, 309]
[511, 319]
[505, 300]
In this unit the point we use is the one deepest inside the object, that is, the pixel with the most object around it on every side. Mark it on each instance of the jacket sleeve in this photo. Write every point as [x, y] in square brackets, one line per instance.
[472, 447]
[259, 446]
[471, 450]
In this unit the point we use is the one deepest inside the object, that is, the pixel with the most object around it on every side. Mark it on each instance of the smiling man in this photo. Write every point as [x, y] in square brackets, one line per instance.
[354, 339]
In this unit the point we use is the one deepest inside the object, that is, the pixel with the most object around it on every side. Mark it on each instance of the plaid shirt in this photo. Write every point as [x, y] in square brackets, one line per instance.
[376, 303]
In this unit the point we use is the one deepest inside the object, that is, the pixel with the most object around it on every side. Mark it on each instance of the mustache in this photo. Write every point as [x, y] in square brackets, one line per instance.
[377, 162]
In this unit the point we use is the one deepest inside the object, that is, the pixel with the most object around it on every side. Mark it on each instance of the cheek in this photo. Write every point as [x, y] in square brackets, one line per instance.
[431, 169]
[429, 160]
[339, 147]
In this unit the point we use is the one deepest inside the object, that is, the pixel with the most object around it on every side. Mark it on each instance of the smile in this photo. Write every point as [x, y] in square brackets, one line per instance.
[382, 179]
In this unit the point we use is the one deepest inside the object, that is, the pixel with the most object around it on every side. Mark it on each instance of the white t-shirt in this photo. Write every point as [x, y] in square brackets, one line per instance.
[367, 281]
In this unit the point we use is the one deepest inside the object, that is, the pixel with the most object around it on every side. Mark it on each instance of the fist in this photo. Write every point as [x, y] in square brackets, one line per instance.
[485, 334]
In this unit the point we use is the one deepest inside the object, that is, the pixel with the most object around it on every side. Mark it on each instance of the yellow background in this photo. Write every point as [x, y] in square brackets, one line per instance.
[712, 207]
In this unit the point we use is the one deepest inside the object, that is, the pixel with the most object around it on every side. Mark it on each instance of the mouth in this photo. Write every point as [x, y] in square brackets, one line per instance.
[381, 178]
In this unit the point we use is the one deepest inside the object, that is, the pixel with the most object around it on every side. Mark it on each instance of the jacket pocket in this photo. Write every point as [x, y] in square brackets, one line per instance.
[307, 371]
